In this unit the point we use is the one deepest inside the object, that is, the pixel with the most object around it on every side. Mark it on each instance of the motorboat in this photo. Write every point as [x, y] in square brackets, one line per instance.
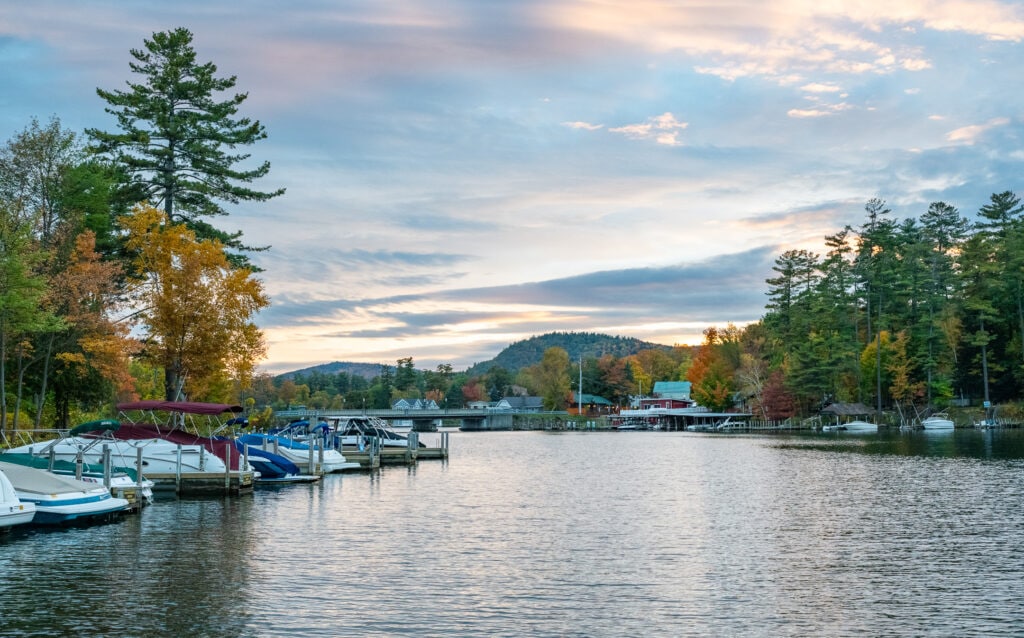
[938, 421]
[317, 459]
[123, 482]
[273, 468]
[12, 510]
[355, 430]
[852, 427]
[62, 499]
[159, 455]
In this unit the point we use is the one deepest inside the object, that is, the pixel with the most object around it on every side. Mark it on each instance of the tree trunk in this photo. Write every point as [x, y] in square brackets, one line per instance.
[3, 381]
[42, 389]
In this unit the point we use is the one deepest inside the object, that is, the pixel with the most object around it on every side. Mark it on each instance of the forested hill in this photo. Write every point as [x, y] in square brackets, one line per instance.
[366, 370]
[587, 344]
[519, 355]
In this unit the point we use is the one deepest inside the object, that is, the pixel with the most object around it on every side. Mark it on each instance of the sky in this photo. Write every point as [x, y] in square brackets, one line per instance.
[461, 175]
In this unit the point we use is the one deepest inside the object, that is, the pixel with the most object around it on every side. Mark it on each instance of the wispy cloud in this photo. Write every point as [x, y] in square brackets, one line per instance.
[970, 134]
[584, 126]
[663, 129]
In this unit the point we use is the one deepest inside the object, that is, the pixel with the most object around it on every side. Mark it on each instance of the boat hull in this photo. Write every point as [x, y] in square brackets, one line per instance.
[60, 499]
[19, 513]
[936, 423]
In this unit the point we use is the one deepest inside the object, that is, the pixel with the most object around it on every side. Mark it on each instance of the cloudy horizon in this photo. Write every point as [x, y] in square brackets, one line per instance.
[464, 175]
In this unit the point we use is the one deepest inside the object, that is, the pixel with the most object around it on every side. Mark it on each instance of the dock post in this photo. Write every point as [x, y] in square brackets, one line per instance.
[53, 459]
[138, 468]
[106, 466]
[177, 472]
[311, 443]
[227, 470]
[78, 465]
[323, 445]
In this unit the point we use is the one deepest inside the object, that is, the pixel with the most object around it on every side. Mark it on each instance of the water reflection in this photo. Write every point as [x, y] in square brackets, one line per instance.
[571, 534]
[996, 444]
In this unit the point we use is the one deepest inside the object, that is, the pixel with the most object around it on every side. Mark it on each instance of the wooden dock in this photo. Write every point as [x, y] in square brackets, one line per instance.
[231, 483]
[373, 455]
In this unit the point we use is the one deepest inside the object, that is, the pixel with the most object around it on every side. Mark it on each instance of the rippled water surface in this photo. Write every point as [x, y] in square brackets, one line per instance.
[565, 534]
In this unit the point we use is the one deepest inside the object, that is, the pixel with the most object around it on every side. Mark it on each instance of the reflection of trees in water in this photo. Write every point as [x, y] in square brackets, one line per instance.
[175, 569]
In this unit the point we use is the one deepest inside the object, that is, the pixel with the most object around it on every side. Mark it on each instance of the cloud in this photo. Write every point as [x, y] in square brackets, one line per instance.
[823, 110]
[663, 129]
[970, 134]
[821, 87]
[585, 126]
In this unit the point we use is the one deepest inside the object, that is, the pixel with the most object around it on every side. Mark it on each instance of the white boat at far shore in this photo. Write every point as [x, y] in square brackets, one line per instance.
[938, 421]
[853, 427]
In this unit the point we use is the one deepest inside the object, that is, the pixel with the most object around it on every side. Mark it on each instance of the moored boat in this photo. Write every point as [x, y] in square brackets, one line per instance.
[353, 431]
[853, 427]
[938, 421]
[122, 481]
[317, 459]
[12, 510]
[61, 499]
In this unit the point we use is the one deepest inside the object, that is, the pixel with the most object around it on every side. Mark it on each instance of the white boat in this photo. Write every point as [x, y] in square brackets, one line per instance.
[853, 427]
[159, 456]
[354, 430]
[61, 499]
[938, 421]
[120, 481]
[324, 461]
[12, 510]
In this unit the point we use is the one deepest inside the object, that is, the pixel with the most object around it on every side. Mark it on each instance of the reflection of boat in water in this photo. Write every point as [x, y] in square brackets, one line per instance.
[853, 427]
[62, 499]
[12, 510]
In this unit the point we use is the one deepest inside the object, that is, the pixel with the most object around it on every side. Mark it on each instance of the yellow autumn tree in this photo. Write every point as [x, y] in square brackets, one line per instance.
[195, 309]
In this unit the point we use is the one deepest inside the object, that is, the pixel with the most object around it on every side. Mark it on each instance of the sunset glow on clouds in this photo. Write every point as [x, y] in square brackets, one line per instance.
[461, 175]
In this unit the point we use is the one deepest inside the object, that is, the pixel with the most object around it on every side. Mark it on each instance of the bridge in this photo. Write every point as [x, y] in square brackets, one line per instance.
[470, 419]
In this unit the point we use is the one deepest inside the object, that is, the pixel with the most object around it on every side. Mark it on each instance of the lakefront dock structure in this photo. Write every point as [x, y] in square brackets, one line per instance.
[422, 420]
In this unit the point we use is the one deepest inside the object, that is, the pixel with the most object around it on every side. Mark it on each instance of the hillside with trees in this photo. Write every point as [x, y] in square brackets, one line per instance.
[530, 351]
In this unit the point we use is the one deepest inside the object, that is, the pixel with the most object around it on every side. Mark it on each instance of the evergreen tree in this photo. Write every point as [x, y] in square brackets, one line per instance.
[176, 141]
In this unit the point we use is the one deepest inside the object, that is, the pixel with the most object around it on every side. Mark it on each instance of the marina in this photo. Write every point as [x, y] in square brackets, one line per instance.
[565, 534]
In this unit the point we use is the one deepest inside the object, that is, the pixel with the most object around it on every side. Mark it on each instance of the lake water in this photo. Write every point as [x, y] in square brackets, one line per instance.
[565, 534]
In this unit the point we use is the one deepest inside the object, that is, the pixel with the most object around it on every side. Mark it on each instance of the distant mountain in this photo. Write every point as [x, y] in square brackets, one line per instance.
[530, 351]
[520, 354]
[367, 370]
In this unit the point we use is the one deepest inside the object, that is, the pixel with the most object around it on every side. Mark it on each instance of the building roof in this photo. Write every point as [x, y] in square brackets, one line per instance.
[519, 403]
[589, 399]
[847, 409]
[672, 388]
